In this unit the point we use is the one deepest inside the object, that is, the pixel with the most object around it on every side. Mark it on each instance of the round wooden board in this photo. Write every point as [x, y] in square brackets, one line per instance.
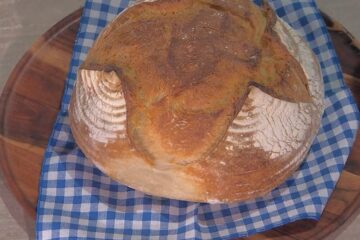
[31, 100]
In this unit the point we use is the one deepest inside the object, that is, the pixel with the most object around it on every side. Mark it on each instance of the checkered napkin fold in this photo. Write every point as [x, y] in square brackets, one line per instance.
[77, 201]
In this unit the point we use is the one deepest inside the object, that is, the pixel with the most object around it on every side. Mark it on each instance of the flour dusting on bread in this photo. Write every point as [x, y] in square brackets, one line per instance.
[275, 126]
[100, 104]
[210, 101]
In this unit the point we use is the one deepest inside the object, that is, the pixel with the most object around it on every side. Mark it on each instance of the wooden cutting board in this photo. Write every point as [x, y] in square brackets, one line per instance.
[31, 100]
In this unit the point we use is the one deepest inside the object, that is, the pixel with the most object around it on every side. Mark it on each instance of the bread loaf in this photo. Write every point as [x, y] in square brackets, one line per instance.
[198, 100]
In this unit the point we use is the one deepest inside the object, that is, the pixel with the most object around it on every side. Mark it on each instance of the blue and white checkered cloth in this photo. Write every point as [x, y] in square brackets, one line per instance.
[77, 201]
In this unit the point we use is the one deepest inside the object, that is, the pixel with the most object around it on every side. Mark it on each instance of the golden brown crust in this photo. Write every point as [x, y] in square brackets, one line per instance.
[186, 69]
[182, 62]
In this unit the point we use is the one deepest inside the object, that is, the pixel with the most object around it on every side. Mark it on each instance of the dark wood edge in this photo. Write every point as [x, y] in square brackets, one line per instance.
[8, 91]
[329, 21]
[342, 227]
[9, 179]
[350, 48]
[340, 224]
[353, 209]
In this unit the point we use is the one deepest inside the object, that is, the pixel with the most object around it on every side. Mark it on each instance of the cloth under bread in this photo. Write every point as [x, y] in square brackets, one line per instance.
[77, 201]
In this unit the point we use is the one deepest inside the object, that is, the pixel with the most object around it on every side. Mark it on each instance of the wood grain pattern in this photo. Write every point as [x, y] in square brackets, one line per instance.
[28, 107]
[32, 96]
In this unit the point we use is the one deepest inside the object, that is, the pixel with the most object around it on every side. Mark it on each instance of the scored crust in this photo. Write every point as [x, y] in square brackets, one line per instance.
[255, 141]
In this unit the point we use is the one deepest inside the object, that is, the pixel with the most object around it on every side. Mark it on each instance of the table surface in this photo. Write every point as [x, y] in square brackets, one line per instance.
[19, 26]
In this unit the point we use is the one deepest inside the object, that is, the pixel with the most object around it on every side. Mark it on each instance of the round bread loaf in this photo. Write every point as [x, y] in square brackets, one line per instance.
[198, 100]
